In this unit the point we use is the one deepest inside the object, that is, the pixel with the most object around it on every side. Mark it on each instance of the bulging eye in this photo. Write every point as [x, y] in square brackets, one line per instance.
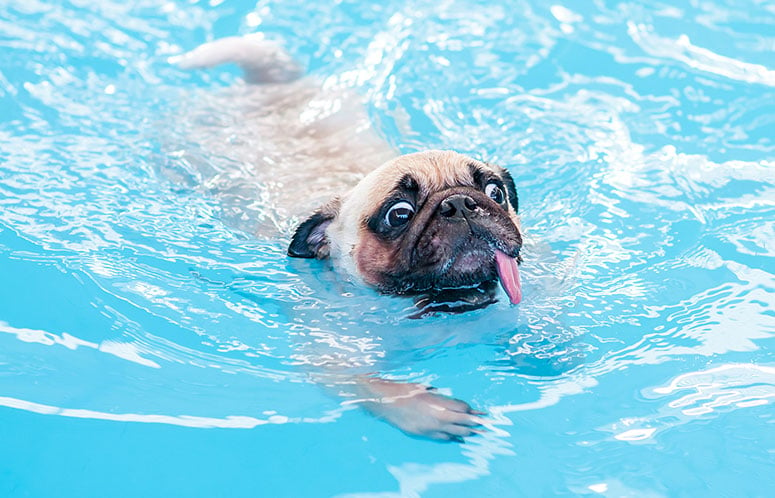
[495, 192]
[399, 214]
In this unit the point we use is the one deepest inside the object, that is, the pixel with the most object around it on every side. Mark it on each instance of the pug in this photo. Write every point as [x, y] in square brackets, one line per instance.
[436, 225]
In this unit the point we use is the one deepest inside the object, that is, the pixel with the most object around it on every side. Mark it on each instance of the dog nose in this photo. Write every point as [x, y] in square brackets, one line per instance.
[456, 206]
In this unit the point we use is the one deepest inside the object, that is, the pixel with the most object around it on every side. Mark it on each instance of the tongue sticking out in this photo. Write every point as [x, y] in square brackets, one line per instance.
[508, 273]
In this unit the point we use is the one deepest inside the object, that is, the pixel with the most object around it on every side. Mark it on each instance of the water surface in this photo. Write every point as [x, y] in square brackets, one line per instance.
[152, 344]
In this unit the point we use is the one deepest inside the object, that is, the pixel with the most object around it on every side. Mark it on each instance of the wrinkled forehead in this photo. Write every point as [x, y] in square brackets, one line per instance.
[425, 172]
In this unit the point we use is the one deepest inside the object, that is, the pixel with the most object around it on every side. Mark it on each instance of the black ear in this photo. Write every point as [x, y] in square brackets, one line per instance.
[310, 239]
[508, 181]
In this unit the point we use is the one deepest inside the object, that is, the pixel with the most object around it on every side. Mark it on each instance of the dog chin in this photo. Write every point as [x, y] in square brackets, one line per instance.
[455, 300]
[466, 269]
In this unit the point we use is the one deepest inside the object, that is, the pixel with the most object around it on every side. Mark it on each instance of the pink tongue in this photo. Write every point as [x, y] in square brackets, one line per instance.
[508, 272]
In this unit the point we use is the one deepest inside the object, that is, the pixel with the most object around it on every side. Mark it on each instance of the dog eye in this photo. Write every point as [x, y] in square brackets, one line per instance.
[495, 193]
[399, 214]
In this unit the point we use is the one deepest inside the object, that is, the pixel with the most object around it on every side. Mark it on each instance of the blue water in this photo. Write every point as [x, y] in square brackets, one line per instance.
[151, 345]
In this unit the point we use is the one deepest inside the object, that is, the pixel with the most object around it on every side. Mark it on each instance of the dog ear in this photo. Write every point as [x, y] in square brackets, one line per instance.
[511, 189]
[310, 239]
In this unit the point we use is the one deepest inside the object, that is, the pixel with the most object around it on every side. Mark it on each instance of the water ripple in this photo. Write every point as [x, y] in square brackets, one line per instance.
[723, 388]
[682, 50]
[640, 136]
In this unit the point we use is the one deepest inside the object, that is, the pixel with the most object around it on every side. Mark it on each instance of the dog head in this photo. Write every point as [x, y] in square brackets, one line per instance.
[423, 222]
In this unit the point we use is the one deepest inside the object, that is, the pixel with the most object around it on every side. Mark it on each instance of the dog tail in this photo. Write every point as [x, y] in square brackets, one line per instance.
[262, 61]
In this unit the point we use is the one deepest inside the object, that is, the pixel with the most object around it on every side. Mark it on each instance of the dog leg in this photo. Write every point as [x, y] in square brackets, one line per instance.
[416, 409]
[263, 61]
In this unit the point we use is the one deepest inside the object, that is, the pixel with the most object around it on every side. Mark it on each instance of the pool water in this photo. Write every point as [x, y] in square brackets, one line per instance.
[152, 345]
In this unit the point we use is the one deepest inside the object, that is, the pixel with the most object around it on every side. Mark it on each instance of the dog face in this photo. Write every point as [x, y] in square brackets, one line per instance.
[422, 222]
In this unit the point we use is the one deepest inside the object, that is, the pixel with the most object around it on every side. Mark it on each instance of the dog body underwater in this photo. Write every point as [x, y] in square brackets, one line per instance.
[424, 224]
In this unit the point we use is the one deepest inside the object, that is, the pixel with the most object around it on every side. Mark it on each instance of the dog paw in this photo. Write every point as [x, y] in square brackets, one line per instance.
[421, 411]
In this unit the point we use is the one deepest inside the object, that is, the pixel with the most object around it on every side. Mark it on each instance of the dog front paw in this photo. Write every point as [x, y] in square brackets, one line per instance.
[421, 411]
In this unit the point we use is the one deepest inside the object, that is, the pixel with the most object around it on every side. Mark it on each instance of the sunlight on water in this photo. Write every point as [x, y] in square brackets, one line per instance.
[144, 220]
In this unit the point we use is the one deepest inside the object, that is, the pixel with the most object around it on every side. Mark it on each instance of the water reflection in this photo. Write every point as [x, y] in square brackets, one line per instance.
[718, 389]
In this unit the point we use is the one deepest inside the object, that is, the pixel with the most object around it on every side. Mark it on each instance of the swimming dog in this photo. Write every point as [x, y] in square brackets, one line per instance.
[434, 223]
